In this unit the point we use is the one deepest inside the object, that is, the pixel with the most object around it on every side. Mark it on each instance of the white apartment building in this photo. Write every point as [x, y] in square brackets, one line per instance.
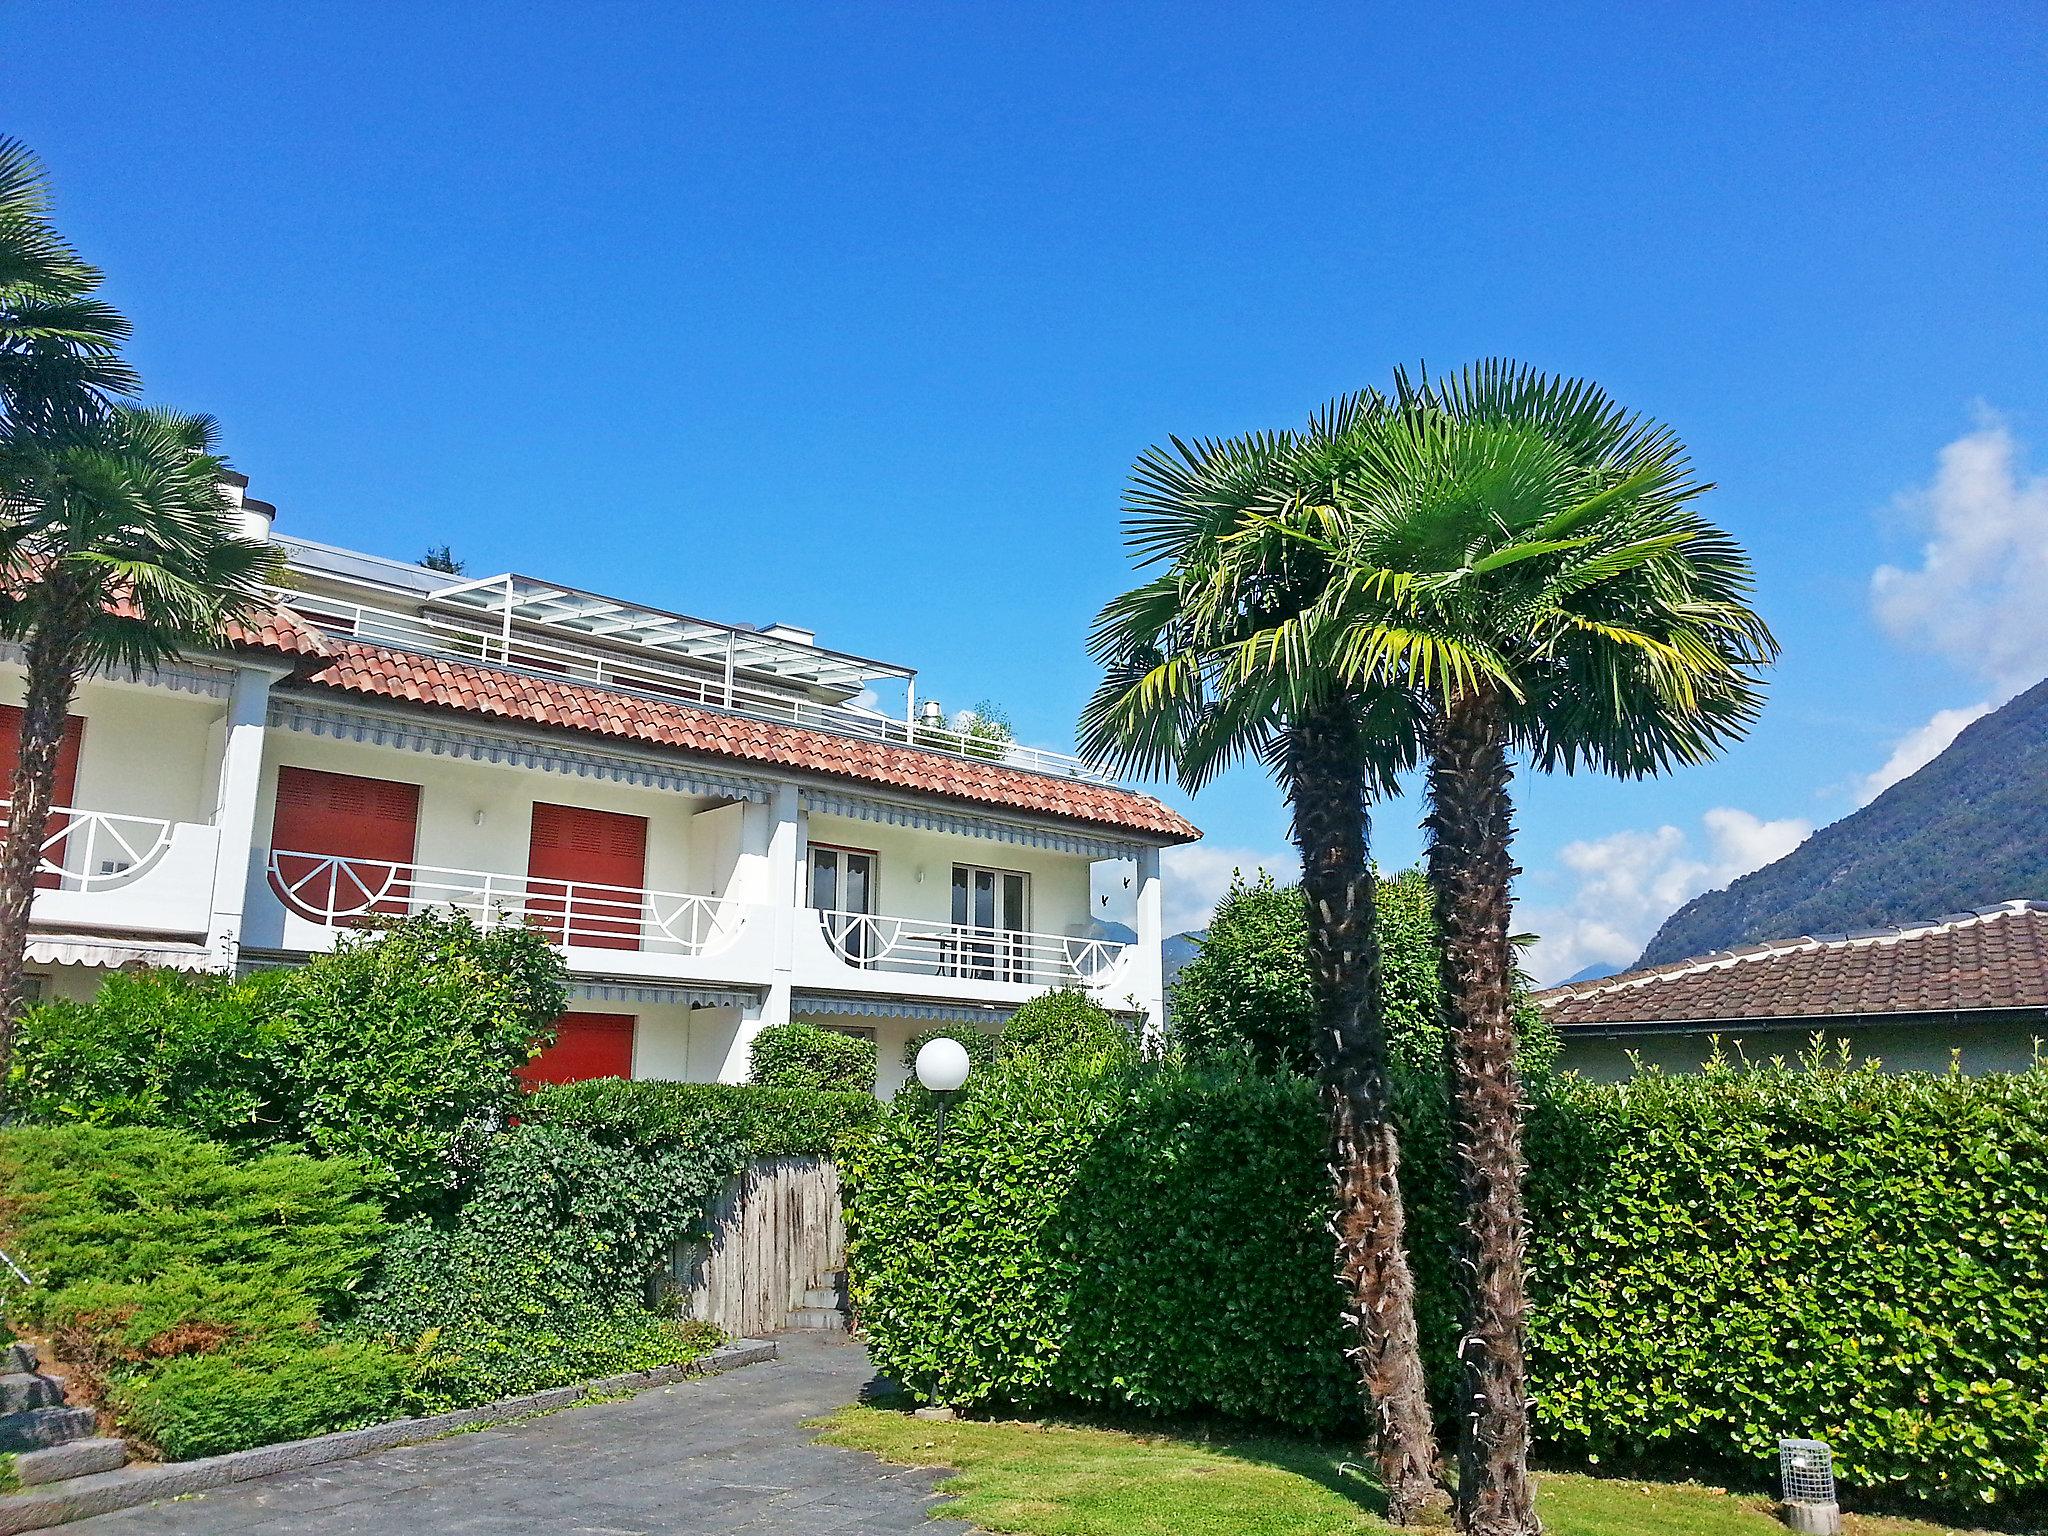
[715, 822]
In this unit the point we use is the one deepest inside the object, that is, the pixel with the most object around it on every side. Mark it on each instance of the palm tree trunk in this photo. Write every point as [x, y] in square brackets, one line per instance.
[1327, 788]
[52, 660]
[1470, 867]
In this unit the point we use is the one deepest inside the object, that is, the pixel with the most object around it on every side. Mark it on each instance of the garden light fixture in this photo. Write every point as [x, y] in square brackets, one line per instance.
[1806, 1471]
[942, 1068]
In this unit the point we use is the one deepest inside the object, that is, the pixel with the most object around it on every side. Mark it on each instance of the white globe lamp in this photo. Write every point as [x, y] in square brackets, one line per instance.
[942, 1066]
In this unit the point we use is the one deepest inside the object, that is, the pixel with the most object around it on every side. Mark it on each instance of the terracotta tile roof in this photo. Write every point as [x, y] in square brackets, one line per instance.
[279, 630]
[351, 666]
[1993, 958]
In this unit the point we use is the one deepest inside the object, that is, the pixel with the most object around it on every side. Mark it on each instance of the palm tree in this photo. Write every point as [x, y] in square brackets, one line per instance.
[1190, 687]
[1521, 558]
[118, 545]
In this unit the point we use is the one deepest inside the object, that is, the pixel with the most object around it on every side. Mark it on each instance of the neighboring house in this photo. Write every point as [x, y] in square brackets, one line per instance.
[1972, 987]
[710, 819]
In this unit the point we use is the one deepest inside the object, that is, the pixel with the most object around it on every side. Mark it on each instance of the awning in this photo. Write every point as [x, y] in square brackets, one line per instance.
[117, 954]
[988, 1015]
[604, 991]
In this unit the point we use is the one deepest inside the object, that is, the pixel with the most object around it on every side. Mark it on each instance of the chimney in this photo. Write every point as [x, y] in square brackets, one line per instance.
[252, 517]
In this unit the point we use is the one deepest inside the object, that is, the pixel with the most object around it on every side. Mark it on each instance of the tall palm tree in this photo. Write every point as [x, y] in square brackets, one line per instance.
[1523, 559]
[1189, 688]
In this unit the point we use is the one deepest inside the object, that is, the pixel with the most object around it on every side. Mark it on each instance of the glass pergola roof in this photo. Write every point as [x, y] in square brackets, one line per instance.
[526, 600]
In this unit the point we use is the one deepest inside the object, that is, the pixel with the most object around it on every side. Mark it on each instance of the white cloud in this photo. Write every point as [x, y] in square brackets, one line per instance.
[1919, 747]
[1623, 885]
[1976, 595]
[1195, 877]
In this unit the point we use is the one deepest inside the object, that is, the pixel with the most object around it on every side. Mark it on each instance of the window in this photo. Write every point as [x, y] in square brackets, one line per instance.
[343, 845]
[64, 794]
[586, 1045]
[843, 892]
[992, 908]
[587, 869]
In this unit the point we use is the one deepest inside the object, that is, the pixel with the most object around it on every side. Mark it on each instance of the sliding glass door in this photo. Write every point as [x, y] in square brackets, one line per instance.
[843, 891]
[991, 911]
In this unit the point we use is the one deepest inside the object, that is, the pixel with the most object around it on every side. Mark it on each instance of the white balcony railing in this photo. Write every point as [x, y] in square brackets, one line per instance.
[546, 656]
[923, 948]
[335, 891]
[97, 850]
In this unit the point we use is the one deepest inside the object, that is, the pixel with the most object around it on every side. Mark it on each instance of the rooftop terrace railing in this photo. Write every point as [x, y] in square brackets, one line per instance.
[521, 649]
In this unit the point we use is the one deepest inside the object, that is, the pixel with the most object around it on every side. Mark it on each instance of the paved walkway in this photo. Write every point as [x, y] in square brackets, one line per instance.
[701, 1457]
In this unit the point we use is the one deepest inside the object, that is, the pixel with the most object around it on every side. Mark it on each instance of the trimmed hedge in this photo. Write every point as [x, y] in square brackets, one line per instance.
[731, 1123]
[1717, 1259]
[801, 1055]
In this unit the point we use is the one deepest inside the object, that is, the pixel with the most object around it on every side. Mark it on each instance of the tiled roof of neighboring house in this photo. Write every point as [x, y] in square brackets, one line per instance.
[1993, 958]
[352, 666]
[279, 630]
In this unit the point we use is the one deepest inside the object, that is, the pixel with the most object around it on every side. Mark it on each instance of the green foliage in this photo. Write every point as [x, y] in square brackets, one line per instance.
[539, 1279]
[205, 1405]
[1716, 1260]
[802, 1055]
[1248, 987]
[731, 1124]
[1060, 1022]
[178, 1279]
[409, 1039]
[983, 1049]
[400, 1049]
[207, 1054]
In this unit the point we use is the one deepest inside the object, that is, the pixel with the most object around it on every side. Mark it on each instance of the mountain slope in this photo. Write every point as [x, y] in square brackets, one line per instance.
[1968, 830]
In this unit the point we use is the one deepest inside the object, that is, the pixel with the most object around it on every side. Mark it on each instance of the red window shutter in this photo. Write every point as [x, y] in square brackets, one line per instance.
[63, 794]
[586, 1045]
[370, 825]
[587, 868]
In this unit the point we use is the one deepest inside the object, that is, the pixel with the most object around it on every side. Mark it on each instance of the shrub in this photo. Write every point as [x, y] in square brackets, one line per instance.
[1061, 1021]
[175, 1278]
[540, 1278]
[732, 1124]
[1716, 1260]
[801, 1055]
[410, 1039]
[983, 1049]
[1248, 985]
[399, 1049]
[159, 1047]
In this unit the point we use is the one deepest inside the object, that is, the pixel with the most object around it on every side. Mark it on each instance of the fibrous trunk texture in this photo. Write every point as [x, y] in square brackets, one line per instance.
[1470, 870]
[52, 659]
[1327, 789]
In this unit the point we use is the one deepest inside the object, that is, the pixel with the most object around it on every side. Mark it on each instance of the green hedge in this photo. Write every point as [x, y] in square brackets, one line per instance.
[810, 1056]
[732, 1123]
[1717, 1260]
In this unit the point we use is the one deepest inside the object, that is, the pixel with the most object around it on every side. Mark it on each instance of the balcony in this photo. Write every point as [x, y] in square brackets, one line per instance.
[136, 874]
[692, 661]
[602, 928]
[966, 960]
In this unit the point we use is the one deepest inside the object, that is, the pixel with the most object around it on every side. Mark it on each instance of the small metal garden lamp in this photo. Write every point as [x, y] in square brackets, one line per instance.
[1806, 1471]
[942, 1066]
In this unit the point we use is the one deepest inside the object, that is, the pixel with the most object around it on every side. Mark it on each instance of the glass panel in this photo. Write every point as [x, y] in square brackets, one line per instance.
[1016, 960]
[1013, 903]
[859, 883]
[824, 879]
[960, 894]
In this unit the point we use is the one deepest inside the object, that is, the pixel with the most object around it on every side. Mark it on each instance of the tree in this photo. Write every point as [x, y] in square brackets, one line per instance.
[1249, 986]
[439, 557]
[1192, 684]
[1521, 558]
[117, 542]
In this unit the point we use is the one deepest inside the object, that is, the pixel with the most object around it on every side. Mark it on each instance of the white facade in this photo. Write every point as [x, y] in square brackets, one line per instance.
[932, 909]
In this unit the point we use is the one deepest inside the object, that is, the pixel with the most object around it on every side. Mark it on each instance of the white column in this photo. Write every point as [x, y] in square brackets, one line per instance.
[234, 811]
[771, 847]
[1148, 971]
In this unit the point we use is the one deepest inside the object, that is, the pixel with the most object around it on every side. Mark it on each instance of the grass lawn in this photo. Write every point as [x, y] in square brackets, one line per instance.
[1025, 1479]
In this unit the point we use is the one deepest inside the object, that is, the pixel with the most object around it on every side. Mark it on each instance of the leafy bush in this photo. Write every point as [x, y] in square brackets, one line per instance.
[1248, 986]
[732, 1124]
[400, 1049]
[539, 1280]
[1716, 1260]
[171, 1274]
[1061, 1021]
[983, 1049]
[410, 1039]
[801, 1055]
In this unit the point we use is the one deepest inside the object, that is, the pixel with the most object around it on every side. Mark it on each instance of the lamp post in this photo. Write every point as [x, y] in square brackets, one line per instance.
[942, 1067]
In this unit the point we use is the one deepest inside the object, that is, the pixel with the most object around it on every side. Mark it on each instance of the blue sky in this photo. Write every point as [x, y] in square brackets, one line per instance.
[855, 317]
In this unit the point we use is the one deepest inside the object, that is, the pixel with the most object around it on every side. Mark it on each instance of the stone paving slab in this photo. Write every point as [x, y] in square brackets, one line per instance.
[700, 1458]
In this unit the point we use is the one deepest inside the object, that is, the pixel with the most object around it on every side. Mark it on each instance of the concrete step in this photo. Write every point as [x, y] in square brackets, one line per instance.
[39, 1428]
[17, 1357]
[76, 1458]
[832, 1279]
[22, 1390]
[825, 1297]
[822, 1319]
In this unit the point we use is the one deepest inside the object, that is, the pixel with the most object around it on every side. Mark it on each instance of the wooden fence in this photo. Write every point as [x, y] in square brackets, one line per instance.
[777, 1227]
